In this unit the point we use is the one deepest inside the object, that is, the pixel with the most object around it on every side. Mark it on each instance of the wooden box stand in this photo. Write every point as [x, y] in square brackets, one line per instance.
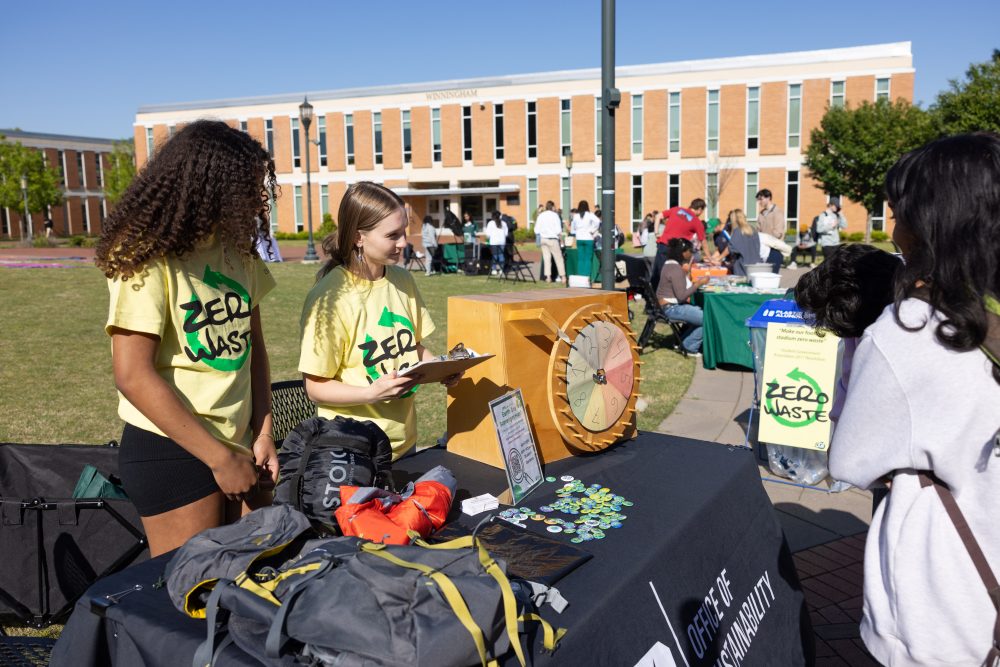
[532, 333]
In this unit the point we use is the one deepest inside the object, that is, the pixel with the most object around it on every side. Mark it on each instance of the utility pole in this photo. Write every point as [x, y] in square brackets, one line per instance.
[611, 97]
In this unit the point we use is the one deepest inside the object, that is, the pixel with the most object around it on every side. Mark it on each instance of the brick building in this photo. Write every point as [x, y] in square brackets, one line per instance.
[82, 163]
[719, 129]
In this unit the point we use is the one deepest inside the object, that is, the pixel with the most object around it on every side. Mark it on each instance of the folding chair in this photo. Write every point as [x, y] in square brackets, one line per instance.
[411, 260]
[514, 263]
[637, 273]
[290, 406]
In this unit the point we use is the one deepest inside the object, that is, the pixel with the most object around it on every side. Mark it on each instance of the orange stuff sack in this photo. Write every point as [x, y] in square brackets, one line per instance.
[383, 516]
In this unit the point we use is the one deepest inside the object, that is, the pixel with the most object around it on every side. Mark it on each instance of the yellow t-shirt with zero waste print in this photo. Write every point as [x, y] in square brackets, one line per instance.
[355, 331]
[200, 307]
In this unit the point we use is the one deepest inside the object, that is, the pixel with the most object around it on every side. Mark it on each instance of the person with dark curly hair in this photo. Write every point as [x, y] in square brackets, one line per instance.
[674, 290]
[187, 347]
[922, 411]
[364, 320]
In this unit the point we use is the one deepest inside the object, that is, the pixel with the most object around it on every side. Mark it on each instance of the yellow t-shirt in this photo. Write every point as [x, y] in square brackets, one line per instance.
[200, 308]
[355, 331]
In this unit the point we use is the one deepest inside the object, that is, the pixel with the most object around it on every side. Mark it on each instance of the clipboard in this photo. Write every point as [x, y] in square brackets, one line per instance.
[436, 370]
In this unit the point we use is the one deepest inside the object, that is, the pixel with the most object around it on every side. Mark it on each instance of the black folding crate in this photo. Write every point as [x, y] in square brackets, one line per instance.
[55, 546]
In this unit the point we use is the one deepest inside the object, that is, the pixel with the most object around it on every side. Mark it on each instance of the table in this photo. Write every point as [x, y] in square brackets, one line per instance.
[726, 337]
[701, 535]
[572, 256]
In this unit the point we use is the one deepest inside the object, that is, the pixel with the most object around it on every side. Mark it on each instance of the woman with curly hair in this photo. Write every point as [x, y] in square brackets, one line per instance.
[922, 412]
[187, 347]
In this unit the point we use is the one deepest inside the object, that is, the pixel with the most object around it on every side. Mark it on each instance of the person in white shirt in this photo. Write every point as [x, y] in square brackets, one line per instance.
[583, 226]
[549, 227]
[496, 235]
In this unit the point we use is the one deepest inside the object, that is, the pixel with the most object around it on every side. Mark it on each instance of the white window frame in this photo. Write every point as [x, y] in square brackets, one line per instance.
[566, 192]
[98, 171]
[466, 135]
[751, 193]
[406, 124]
[599, 194]
[150, 146]
[673, 188]
[674, 110]
[498, 142]
[636, 221]
[708, 119]
[712, 179]
[598, 127]
[86, 214]
[834, 97]
[756, 135]
[637, 150]
[349, 139]
[324, 200]
[529, 115]
[436, 154]
[296, 144]
[376, 131]
[565, 125]
[81, 166]
[797, 135]
[792, 222]
[532, 194]
[321, 137]
[888, 87]
[297, 208]
[269, 136]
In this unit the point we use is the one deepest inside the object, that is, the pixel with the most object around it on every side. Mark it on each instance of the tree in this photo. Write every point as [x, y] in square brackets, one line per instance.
[973, 104]
[121, 170]
[724, 173]
[852, 149]
[43, 182]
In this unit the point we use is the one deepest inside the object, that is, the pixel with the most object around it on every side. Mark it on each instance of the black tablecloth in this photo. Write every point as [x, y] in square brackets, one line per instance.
[700, 541]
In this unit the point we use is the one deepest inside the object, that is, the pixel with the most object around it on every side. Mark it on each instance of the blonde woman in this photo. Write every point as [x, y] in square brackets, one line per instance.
[744, 242]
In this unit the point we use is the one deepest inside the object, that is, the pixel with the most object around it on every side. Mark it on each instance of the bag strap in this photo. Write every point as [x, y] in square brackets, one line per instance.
[551, 636]
[207, 652]
[297, 476]
[928, 478]
[273, 642]
[448, 589]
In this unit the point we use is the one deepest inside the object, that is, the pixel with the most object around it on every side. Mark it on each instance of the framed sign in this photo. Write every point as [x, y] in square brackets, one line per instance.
[800, 371]
[517, 445]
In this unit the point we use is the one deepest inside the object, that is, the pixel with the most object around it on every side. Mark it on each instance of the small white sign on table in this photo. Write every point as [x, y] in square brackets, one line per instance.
[517, 445]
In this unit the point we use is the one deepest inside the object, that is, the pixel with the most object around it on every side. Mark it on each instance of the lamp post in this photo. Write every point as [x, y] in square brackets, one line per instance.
[306, 116]
[27, 213]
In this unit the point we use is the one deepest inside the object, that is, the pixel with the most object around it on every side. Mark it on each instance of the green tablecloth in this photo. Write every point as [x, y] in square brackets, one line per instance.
[727, 339]
[452, 256]
[572, 260]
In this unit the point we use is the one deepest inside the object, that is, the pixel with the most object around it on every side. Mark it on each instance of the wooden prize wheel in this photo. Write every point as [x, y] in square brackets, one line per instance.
[572, 354]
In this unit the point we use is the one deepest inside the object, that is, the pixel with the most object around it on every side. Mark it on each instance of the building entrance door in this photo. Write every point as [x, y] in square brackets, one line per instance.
[480, 207]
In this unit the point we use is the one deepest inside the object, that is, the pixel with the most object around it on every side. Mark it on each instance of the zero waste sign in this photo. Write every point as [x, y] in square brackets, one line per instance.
[800, 369]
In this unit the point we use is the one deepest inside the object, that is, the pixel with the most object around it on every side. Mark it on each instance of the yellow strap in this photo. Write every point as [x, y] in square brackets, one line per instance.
[551, 637]
[509, 603]
[451, 594]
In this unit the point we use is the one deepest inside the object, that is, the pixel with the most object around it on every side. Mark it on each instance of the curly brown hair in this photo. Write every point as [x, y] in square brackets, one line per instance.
[208, 178]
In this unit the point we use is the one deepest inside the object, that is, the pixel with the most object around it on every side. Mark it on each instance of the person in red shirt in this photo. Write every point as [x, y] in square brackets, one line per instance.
[680, 223]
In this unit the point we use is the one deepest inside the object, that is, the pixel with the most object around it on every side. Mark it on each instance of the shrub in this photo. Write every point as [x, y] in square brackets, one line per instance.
[524, 235]
[855, 237]
[880, 237]
[291, 236]
[328, 227]
[41, 241]
[76, 241]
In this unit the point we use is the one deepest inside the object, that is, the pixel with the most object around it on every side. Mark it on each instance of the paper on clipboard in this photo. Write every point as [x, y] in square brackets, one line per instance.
[436, 370]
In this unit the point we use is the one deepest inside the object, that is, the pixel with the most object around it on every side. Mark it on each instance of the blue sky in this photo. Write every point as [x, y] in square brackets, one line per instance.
[85, 67]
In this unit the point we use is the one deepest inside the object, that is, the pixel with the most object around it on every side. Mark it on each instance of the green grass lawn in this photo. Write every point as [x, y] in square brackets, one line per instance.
[55, 359]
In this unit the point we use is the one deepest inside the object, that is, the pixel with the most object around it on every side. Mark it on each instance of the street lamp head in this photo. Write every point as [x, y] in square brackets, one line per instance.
[24, 182]
[306, 112]
[569, 159]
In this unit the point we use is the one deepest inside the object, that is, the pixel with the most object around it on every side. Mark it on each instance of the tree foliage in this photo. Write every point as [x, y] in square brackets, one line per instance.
[853, 148]
[43, 182]
[121, 170]
[972, 104]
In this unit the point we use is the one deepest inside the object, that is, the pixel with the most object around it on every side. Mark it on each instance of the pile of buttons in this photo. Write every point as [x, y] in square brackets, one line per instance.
[592, 510]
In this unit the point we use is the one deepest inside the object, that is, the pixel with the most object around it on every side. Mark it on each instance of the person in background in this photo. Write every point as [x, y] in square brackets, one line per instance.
[829, 224]
[921, 413]
[743, 245]
[48, 225]
[187, 346]
[549, 227]
[649, 241]
[496, 236]
[428, 235]
[534, 221]
[680, 223]
[584, 226]
[674, 293]
[806, 244]
[771, 221]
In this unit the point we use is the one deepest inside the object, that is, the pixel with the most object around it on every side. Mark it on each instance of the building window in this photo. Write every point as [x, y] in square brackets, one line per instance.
[636, 124]
[298, 209]
[598, 125]
[5, 221]
[62, 168]
[881, 89]
[324, 201]
[436, 135]
[532, 131]
[636, 201]
[532, 196]
[566, 128]
[243, 126]
[99, 169]
[170, 130]
[753, 117]
[102, 211]
[273, 212]
[377, 136]
[269, 136]
[498, 130]
[712, 193]
[598, 194]
[296, 144]
[792, 201]
[878, 221]
[321, 131]
[673, 190]
[794, 114]
[466, 133]
[149, 142]
[566, 205]
[407, 139]
[713, 120]
[837, 94]
[349, 137]
[675, 122]
[751, 196]
[86, 216]
[80, 169]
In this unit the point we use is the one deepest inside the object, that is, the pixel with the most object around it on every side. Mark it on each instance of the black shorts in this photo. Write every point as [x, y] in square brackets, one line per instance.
[158, 474]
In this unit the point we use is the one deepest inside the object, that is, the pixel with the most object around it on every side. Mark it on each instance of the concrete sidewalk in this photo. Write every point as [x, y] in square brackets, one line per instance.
[825, 531]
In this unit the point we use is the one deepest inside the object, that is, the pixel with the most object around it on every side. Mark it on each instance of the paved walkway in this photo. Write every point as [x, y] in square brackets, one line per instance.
[825, 531]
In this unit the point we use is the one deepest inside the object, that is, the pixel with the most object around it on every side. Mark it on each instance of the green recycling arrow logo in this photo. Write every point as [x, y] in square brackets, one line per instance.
[797, 376]
[217, 280]
[389, 319]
